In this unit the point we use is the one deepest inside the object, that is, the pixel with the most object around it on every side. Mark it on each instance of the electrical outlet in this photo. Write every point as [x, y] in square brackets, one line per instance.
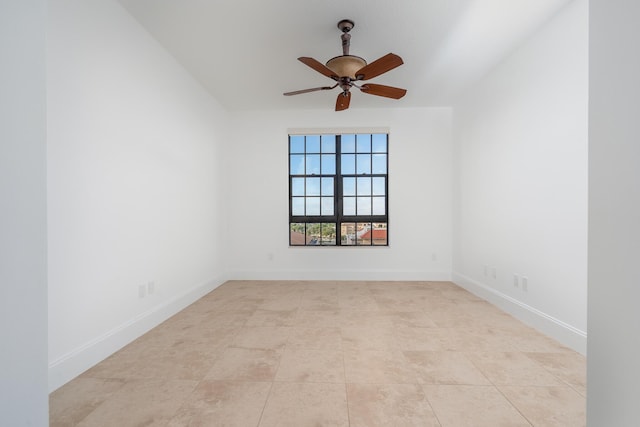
[486, 269]
[142, 291]
[525, 284]
[516, 281]
[494, 273]
[151, 287]
[434, 257]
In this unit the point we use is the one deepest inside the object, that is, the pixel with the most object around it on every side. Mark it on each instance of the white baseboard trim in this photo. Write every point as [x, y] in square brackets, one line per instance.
[549, 325]
[72, 364]
[332, 274]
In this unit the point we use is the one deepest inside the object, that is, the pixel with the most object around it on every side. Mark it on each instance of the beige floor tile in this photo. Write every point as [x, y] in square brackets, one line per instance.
[141, 403]
[175, 363]
[512, 368]
[72, 402]
[444, 367]
[121, 364]
[304, 365]
[373, 319]
[306, 405]
[367, 338]
[478, 340]
[315, 338]
[411, 319]
[568, 367]
[378, 367]
[283, 302]
[223, 403]
[207, 339]
[262, 337]
[242, 364]
[533, 341]
[548, 406]
[231, 318]
[319, 301]
[272, 318]
[384, 405]
[421, 339]
[472, 406]
[318, 319]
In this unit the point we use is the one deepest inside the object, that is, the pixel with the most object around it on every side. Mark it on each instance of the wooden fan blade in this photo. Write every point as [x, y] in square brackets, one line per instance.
[382, 90]
[379, 66]
[318, 66]
[342, 103]
[313, 89]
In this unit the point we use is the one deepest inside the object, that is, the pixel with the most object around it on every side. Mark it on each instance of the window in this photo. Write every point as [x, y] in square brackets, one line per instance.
[338, 190]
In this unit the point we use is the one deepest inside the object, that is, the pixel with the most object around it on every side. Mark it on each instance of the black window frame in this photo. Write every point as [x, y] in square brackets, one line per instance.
[338, 218]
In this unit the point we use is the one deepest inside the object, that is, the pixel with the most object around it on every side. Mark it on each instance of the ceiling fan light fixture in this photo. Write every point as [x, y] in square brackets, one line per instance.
[346, 65]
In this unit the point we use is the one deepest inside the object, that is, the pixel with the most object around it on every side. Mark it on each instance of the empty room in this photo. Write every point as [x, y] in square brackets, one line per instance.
[338, 213]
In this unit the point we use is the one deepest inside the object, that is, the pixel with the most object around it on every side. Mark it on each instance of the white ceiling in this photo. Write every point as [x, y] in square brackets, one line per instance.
[244, 51]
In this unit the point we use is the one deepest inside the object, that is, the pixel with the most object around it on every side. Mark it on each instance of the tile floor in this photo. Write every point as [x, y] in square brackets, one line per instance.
[358, 354]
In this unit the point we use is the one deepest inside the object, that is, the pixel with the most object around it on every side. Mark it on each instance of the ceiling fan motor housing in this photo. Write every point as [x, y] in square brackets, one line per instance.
[346, 65]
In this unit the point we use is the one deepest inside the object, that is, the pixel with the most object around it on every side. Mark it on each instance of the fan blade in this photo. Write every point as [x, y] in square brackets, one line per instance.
[318, 66]
[314, 89]
[342, 103]
[379, 66]
[382, 90]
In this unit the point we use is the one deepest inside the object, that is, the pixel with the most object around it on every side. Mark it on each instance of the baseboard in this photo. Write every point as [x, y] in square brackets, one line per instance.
[548, 325]
[72, 364]
[332, 274]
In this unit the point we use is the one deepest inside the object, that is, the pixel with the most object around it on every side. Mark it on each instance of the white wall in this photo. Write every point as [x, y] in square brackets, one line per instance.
[23, 240]
[521, 180]
[613, 372]
[134, 184]
[419, 198]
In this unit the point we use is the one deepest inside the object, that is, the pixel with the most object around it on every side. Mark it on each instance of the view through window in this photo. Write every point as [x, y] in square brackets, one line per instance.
[338, 189]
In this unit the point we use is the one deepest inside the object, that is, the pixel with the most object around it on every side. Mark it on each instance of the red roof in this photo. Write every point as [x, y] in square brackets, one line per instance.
[378, 234]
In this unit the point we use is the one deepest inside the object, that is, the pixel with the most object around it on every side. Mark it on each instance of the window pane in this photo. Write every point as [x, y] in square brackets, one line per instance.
[328, 234]
[313, 186]
[327, 186]
[378, 205]
[313, 164]
[349, 186]
[297, 186]
[364, 206]
[313, 234]
[297, 206]
[363, 143]
[364, 164]
[378, 186]
[364, 186]
[329, 144]
[380, 233]
[348, 205]
[313, 206]
[348, 143]
[328, 164]
[327, 206]
[379, 143]
[364, 233]
[348, 164]
[348, 233]
[296, 165]
[297, 234]
[313, 144]
[379, 163]
[296, 144]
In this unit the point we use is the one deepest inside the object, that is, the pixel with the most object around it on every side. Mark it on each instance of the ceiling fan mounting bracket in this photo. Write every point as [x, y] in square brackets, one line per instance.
[346, 25]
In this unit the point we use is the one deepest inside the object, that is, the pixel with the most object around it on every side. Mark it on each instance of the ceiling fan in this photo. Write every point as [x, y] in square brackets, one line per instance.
[347, 69]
